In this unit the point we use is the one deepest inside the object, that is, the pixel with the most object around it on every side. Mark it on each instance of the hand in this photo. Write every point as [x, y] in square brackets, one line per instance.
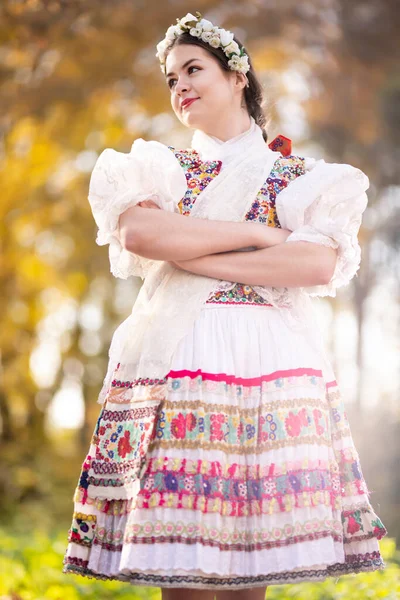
[148, 204]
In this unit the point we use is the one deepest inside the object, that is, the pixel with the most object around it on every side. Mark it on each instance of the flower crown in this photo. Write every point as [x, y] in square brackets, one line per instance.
[205, 30]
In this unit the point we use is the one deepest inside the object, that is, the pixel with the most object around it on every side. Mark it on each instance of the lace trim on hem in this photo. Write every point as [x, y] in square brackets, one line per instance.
[354, 564]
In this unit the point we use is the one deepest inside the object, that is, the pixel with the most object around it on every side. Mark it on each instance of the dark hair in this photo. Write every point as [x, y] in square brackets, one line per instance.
[253, 95]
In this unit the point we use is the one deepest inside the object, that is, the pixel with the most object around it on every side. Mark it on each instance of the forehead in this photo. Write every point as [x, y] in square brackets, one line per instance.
[181, 54]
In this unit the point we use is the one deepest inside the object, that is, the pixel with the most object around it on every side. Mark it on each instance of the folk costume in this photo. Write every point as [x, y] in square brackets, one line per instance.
[222, 457]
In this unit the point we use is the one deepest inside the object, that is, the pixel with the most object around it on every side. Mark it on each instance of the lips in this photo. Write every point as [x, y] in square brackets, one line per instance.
[188, 102]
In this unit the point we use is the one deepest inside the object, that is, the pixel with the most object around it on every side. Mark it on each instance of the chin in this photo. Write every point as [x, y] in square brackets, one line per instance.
[192, 121]
[188, 122]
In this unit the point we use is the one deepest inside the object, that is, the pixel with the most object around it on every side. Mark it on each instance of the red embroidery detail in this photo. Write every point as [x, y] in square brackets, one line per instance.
[245, 381]
[281, 144]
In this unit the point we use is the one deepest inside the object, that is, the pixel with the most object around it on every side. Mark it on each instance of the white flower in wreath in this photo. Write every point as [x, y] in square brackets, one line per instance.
[239, 63]
[206, 36]
[234, 62]
[172, 32]
[187, 19]
[232, 48]
[206, 25]
[226, 37]
[215, 41]
[161, 48]
[196, 31]
[244, 64]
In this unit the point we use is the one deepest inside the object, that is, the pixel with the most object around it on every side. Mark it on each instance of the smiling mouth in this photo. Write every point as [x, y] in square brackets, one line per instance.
[189, 103]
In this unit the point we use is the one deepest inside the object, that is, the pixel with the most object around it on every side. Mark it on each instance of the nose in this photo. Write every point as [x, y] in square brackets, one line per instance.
[181, 86]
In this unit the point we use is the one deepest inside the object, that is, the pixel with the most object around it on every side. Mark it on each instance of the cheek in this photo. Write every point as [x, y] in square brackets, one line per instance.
[215, 92]
[174, 102]
[175, 106]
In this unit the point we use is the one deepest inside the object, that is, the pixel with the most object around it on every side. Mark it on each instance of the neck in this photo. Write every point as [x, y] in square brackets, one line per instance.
[229, 127]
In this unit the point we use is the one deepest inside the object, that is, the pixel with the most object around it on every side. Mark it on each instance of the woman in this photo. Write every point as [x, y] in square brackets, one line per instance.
[222, 459]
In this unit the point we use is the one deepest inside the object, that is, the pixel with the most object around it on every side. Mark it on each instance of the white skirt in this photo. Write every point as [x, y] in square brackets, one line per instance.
[242, 474]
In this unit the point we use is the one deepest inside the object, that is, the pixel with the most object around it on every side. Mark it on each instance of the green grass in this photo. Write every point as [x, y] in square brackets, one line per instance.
[31, 569]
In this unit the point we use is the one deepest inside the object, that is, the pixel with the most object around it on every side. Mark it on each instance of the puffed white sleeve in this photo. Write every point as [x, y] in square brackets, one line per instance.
[119, 181]
[325, 206]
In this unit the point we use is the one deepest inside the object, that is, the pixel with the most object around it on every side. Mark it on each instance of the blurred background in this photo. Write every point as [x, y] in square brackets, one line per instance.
[77, 77]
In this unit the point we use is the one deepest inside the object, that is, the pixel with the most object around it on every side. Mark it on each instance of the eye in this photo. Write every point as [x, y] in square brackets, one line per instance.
[189, 71]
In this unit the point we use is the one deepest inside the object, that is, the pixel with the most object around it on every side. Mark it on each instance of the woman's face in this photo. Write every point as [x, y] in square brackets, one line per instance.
[191, 72]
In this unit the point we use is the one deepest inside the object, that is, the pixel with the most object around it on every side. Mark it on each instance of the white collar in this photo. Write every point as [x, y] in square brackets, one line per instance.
[211, 148]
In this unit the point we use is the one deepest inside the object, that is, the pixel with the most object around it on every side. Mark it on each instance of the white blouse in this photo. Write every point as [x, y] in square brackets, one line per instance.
[150, 170]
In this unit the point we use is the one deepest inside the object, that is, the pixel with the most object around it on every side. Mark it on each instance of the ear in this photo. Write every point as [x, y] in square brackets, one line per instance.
[240, 80]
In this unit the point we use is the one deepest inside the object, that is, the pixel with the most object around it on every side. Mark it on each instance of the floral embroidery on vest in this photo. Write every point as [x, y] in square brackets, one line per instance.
[263, 210]
[240, 294]
[200, 173]
[285, 170]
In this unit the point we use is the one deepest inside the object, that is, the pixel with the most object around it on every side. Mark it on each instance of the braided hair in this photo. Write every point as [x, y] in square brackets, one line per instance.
[253, 94]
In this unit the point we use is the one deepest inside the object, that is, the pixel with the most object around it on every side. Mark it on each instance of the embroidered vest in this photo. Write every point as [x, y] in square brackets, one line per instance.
[200, 173]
